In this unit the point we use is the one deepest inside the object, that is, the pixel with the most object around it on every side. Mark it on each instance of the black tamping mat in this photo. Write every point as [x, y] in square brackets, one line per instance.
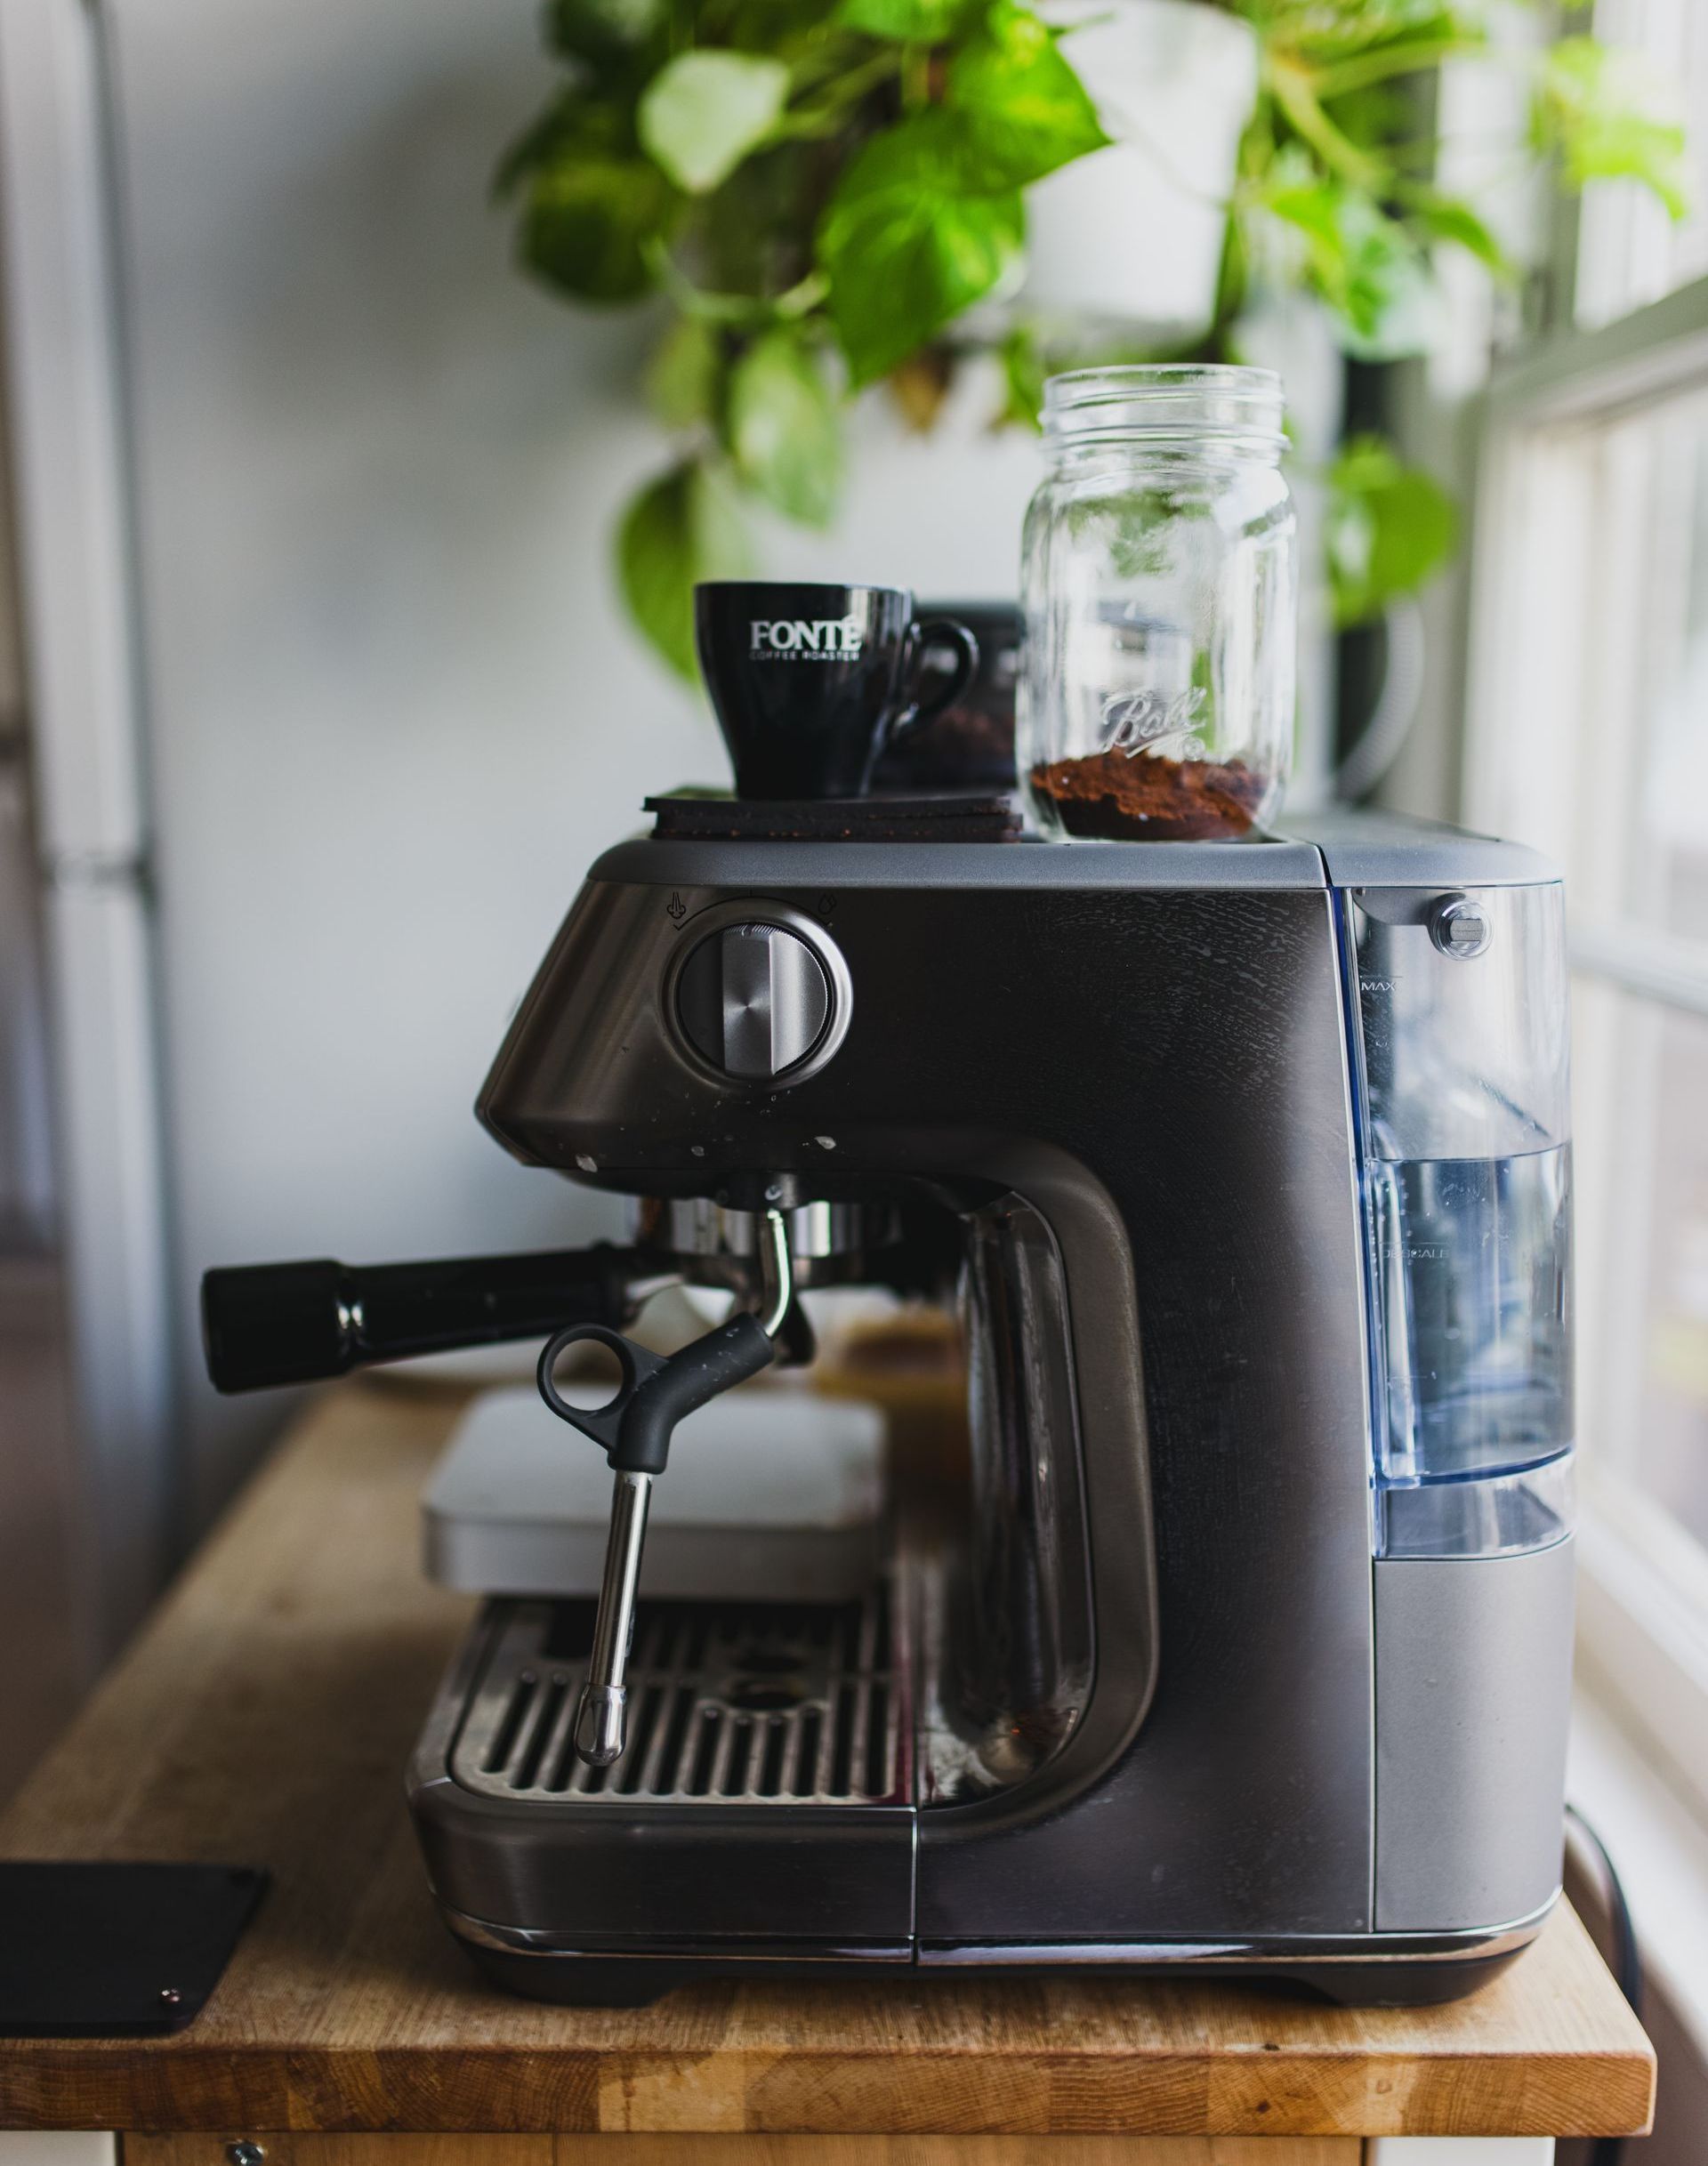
[116, 1950]
[950, 815]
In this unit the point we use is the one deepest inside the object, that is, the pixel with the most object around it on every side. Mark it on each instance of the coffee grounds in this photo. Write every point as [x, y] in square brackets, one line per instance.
[1150, 799]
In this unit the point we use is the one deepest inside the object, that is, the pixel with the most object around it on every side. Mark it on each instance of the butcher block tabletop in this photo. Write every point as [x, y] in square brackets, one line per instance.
[264, 1718]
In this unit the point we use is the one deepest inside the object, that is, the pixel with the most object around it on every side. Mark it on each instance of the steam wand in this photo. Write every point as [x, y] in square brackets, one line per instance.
[635, 1428]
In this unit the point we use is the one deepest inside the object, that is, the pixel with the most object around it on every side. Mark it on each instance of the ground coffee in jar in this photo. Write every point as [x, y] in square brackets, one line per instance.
[1151, 798]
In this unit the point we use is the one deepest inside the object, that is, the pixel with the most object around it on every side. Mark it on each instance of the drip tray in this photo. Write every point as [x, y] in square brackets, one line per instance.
[729, 1703]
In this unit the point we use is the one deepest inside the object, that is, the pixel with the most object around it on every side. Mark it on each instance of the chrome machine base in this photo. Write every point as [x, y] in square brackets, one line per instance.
[1381, 1969]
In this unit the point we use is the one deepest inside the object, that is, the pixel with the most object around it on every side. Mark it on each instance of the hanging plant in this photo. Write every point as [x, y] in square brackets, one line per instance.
[821, 189]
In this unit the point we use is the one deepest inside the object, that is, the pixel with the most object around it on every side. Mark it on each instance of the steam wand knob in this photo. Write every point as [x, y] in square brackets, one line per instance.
[636, 1429]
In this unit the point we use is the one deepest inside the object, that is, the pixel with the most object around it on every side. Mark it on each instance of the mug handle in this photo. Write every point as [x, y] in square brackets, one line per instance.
[940, 632]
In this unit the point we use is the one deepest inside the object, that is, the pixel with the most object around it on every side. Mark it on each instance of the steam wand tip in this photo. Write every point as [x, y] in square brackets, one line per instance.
[599, 1725]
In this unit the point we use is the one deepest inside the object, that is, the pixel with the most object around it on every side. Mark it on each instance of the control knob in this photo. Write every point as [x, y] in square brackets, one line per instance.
[754, 1000]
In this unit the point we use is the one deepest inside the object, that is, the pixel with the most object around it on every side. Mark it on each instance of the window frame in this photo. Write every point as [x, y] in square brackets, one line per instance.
[1643, 1581]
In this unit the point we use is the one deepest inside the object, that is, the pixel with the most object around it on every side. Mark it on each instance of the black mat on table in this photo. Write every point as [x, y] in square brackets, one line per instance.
[116, 1950]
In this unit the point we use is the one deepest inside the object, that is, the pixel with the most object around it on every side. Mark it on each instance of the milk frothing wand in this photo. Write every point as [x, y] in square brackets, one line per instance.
[635, 1428]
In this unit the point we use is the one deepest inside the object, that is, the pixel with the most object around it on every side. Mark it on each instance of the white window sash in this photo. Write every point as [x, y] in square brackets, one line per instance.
[1643, 1581]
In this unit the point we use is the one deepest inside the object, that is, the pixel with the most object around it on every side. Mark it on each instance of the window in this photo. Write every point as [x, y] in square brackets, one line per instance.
[1629, 251]
[1588, 736]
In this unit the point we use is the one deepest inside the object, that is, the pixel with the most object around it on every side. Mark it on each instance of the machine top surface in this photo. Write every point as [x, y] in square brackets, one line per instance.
[1334, 846]
[1364, 848]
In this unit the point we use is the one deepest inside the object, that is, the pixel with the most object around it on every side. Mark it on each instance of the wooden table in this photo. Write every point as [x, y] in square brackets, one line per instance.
[264, 1718]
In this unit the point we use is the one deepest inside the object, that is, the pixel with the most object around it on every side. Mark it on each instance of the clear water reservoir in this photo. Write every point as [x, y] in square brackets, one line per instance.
[1466, 1174]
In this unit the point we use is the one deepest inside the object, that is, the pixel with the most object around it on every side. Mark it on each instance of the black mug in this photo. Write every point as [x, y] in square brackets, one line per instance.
[809, 682]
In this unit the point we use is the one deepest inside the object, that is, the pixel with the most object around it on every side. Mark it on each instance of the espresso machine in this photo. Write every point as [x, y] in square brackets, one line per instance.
[1242, 1643]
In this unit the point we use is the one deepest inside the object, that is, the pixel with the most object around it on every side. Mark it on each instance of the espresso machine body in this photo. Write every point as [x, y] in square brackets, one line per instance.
[1247, 1643]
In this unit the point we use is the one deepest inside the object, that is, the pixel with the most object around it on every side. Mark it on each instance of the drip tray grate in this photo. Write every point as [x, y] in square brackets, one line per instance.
[729, 1703]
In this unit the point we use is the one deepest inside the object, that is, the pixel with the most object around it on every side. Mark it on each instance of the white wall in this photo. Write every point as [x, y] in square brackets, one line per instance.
[391, 711]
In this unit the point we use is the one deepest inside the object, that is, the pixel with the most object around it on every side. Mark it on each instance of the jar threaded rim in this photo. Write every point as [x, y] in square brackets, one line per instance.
[1209, 403]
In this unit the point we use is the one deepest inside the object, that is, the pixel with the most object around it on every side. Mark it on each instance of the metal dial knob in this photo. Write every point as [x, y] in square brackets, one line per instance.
[1461, 926]
[753, 1001]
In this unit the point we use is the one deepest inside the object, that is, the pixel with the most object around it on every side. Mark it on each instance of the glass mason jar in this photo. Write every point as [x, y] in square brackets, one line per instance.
[1158, 579]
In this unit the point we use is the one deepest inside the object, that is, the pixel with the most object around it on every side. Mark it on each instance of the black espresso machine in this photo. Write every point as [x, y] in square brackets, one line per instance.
[1244, 1643]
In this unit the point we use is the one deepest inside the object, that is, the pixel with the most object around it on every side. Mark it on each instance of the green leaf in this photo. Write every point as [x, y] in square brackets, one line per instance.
[682, 381]
[907, 21]
[1445, 218]
[1369, 270]
[1023, 374]
[1297, 196]
[1604, 113]
[601, 29]
[1017, 109]
[1390, 528]
[1345, 31]
[1391, 304]
[704, 111]
[1012, 110]
[570, 123]
[784, 430]
[905, 254]
[678, 529]
[586, 223]
[1373, 120]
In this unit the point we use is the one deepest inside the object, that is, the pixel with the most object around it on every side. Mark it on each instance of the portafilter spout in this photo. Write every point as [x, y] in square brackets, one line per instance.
[636, 1429]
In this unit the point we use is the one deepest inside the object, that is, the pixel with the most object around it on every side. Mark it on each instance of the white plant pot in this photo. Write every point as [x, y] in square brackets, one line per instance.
[1130, 238]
